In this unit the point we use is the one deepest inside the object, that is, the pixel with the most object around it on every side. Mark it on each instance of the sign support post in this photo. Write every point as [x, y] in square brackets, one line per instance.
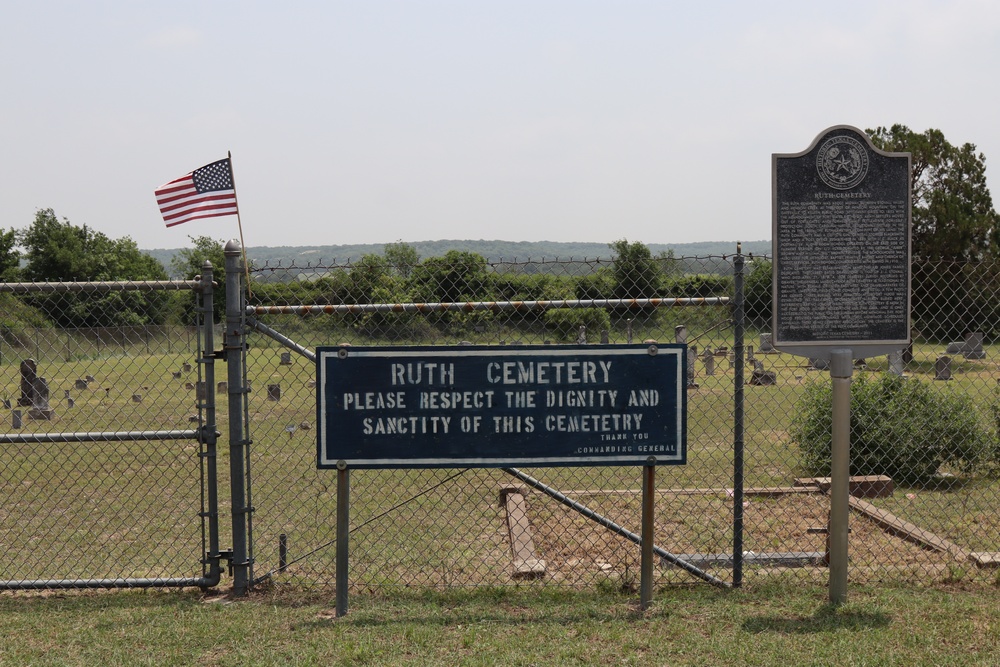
[646, 553]
[841, 369]
[343, 534]
[841, 214]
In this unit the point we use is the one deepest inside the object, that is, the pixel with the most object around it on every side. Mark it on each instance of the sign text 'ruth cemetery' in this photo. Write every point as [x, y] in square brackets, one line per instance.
[500, 406]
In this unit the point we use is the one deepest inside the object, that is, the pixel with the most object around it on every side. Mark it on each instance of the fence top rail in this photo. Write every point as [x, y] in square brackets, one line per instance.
[484, 305]
[102, 286]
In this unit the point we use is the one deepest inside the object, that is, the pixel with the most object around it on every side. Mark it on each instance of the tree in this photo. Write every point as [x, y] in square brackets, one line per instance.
[953, 214]
[57, 250]
[10, 258]
[457, 276]
[757, 290]
[636, 273]
[189, 262]
[369, 276]
[402, 257]
[954, 222]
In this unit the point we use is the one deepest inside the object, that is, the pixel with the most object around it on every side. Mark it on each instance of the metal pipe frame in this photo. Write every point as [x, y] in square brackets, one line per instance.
[613, 527]
[102, 286]
[206, 435]
[354, 308]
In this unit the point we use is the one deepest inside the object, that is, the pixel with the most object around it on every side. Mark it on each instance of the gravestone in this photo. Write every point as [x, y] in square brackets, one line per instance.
[974, 346]
[942, 368]
[286, 358]
[81, 384]
[274, 392]
[761, 377]
[176, 375]
[15, 419]
[819, 364]
[680, 334]
[765, 343]
[200, 391]
[137, 398]
[40, 408]
[29, 373]
[90, 378]
[70, 403]
[186, 367]
[222, 387]
[896, 365]
[709, 364]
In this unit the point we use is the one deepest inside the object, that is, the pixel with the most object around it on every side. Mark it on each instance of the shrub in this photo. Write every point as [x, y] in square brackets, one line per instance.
[903, 428]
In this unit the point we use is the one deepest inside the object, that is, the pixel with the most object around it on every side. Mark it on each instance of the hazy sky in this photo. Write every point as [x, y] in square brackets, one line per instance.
[371, 121]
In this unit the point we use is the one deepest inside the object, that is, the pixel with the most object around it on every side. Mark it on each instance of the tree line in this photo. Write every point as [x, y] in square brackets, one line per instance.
[955, 241]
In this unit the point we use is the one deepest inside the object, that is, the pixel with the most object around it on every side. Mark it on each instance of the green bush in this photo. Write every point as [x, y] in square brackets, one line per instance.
[903, 428]
[565, 322]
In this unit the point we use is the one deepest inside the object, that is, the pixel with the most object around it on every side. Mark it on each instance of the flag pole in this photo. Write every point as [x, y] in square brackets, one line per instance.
[232, 177]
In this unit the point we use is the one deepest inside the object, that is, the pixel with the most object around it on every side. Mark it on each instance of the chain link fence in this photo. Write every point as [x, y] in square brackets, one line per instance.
[923, 437]
[110, 472]
[923, 433]
[104, 468]
[466, 527]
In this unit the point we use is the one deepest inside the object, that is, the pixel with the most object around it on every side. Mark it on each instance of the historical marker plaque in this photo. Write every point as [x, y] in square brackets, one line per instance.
[495, 406]
[841, 247]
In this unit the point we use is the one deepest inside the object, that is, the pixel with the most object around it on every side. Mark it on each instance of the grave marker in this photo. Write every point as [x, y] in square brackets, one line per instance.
[29, 373]
[942, 368]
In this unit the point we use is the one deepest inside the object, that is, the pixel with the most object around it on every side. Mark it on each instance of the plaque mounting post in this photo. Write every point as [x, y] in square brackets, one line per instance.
[841, 369]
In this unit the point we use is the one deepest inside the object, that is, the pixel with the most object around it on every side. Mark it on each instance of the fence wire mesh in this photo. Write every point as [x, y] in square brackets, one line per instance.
[84, 368]
[924, 446]
[923, 437]
[924, 433]
[462, 527]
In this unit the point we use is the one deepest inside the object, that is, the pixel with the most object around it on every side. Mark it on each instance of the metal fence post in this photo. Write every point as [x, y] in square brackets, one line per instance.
[208, 435]
[738, 416]
[235, 345]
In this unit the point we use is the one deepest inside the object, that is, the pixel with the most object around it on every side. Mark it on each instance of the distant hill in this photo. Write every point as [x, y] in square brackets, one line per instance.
[491, 250]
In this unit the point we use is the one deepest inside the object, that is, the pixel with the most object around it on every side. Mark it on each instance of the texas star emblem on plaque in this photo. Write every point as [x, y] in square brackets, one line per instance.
[842, 162]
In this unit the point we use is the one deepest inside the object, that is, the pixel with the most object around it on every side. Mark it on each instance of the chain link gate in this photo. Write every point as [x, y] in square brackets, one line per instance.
[422, 527]
[108, 461]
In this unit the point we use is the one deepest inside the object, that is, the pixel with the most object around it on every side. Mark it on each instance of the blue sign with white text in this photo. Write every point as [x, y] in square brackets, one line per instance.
[495, 406]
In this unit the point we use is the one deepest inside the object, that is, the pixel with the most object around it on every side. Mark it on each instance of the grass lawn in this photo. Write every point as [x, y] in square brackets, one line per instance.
[772, 624]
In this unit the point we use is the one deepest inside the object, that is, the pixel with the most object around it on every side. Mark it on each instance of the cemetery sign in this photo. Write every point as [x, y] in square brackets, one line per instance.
[841, 247]
[499, 406]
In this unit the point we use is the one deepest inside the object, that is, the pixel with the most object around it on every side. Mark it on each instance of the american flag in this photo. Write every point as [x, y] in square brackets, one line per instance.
[204, 193]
